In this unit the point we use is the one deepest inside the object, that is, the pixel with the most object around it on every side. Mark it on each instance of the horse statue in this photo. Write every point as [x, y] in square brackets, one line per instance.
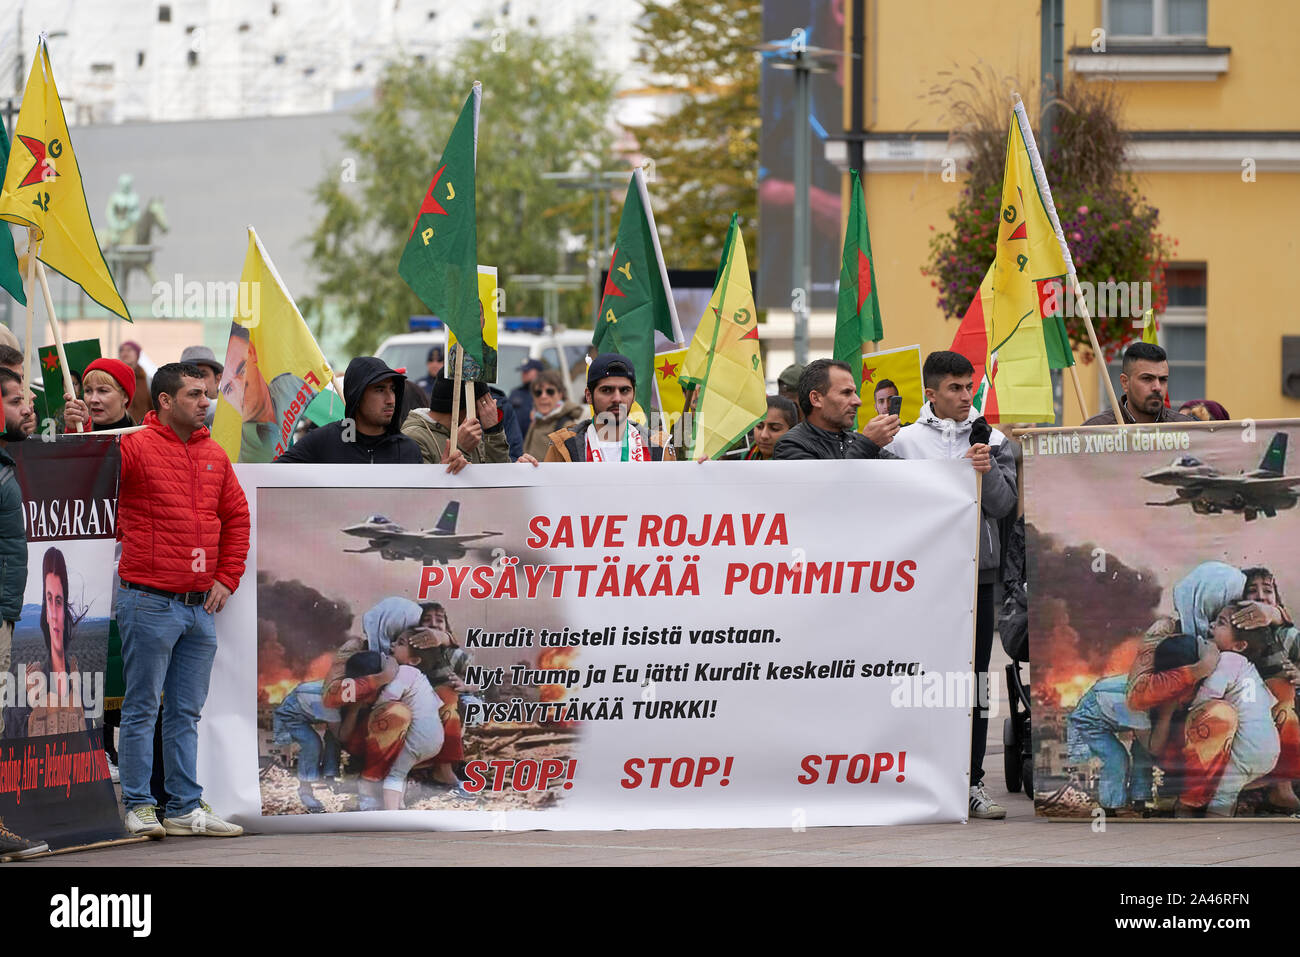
[129, 248]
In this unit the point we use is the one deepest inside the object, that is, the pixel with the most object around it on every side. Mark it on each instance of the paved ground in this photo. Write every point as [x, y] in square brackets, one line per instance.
[1020, 840]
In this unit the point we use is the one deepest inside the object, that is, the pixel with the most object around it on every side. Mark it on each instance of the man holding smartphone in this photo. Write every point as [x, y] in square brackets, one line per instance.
[949, 427]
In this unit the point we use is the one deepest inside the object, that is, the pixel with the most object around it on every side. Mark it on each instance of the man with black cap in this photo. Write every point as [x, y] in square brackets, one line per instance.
[370, 432]
[611, 389]
[522, 397]
[434, 363]
[203, 358]
[480, 440]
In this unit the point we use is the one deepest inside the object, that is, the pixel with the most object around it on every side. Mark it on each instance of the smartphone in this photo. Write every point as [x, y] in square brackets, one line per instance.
[894, 404]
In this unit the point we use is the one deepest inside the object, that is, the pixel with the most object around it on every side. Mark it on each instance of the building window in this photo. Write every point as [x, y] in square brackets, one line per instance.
[139, 58]
[193, 57]
[1156, 20]
[1182, 335]
[165, 13]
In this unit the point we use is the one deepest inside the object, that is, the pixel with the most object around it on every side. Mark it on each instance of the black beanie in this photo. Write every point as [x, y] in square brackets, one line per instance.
[440, 395]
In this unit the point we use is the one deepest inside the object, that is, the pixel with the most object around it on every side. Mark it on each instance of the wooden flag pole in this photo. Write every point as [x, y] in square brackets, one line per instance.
[1049, 205]
[30, 291]
[455, 393]
[58, 336]
[471, 409]
[1078, 390]
[1096, 349]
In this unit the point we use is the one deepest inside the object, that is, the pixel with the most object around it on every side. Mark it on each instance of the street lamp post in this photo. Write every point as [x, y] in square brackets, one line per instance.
[794, 54]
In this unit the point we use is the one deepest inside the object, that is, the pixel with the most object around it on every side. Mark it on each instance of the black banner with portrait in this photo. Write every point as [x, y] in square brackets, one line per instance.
[55, 783]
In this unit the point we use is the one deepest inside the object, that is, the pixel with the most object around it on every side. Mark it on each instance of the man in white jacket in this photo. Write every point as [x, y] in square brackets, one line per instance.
[943, 431]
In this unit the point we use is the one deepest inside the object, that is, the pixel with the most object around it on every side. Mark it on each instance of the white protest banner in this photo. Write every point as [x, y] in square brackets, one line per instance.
[778, 644]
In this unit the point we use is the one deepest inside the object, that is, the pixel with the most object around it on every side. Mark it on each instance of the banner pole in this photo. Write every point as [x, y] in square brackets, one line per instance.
[58, 336]
[455, 396]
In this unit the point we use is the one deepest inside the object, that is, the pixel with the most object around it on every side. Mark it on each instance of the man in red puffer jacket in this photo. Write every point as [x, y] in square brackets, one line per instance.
[183, 522]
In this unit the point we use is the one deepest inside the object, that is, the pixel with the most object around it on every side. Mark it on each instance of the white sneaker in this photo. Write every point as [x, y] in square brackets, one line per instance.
[201, 822]
[113, 774]
[143, 820]
[981, 805]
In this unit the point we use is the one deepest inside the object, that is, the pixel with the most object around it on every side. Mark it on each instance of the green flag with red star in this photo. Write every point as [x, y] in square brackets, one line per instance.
[857, 315]
[637, 300]
[440, 260]
[11, 279]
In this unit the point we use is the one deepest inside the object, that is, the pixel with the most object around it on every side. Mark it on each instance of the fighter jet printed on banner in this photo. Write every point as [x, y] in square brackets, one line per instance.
[394, 543]
[1208, 491]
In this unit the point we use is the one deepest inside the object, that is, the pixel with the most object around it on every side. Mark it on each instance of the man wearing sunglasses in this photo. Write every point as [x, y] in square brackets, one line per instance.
[609, 436]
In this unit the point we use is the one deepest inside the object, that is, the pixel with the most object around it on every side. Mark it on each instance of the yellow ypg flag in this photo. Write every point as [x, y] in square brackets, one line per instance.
[723, 359]
[902, 367]
[668, 366]
[42, 188]
[1028, 259]
[273, 366]
[1150, 328]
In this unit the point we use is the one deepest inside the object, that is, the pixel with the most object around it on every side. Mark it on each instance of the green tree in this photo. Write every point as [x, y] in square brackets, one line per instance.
[545, 108]
[705, 153]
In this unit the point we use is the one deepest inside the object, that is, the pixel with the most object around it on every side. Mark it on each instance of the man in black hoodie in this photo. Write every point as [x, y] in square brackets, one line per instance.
[371, 432]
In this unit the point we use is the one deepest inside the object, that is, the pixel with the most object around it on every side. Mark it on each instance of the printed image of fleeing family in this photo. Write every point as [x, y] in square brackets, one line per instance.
[1194, 718]
[382, 728]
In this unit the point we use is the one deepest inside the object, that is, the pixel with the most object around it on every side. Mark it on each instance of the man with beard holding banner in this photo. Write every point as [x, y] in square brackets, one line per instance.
[183, 521]
[13, 563]
[609, 436]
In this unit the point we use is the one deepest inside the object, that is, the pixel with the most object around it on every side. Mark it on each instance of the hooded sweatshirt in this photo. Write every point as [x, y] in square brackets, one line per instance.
[328, 445]
[931, 437]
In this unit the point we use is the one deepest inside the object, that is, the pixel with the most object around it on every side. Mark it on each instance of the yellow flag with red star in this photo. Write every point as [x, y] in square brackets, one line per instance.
[668, 366]
[42, 189]
[898, 367]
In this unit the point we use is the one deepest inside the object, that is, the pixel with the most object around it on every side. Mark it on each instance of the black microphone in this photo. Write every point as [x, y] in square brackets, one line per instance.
[980, 431]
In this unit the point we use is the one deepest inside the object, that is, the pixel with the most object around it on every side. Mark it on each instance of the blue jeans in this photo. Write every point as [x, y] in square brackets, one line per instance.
[167, 653]
[314, 760]
[1124, 778]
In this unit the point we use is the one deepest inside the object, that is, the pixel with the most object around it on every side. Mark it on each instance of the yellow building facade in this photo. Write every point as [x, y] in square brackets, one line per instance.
[1210, 94]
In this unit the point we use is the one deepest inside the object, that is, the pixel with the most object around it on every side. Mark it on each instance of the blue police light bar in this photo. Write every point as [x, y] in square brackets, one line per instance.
[524, 324]
[425, 323]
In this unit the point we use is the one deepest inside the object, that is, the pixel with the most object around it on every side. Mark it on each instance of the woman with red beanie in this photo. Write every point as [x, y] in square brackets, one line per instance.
[107, 387]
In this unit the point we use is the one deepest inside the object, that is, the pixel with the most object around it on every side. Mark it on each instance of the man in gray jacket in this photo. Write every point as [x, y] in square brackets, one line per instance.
[13, 563]
[950, 428]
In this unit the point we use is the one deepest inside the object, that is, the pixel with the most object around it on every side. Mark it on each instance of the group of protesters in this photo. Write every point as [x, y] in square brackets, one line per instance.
[172, 470]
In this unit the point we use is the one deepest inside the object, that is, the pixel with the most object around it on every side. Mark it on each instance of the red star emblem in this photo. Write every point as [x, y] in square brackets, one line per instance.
[430, 204]
[668, 370]
[37, 173]
[867, 372]
[51, 361]
[610, 288]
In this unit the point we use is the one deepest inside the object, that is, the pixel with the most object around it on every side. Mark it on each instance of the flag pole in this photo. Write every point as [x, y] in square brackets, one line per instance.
[30, 291]
[638, 177]
[54, 329]
[455, 395]
[1040, 176]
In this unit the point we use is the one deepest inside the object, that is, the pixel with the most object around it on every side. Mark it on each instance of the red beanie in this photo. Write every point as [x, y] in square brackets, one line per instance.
[119, 370]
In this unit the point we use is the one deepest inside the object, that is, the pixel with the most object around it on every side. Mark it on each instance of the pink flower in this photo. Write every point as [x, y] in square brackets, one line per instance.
[1077, 236]
[1083, 210]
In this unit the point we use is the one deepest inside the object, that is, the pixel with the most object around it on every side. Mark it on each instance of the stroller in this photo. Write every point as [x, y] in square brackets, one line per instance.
[1013, 629]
